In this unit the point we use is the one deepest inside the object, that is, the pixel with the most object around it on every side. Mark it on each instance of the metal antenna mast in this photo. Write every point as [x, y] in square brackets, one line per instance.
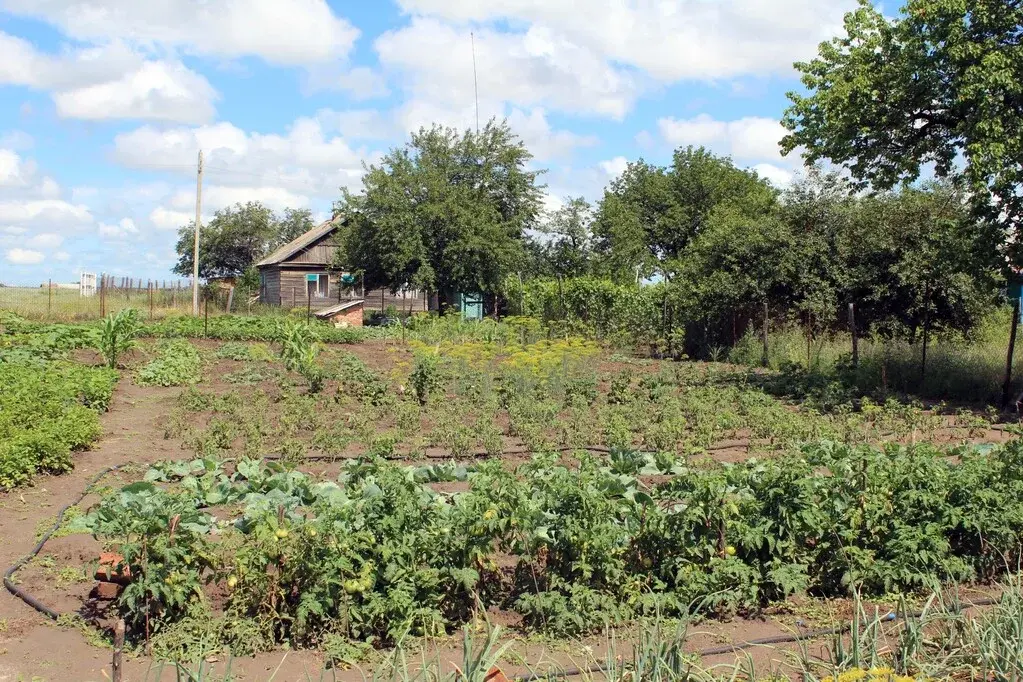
[475, 81]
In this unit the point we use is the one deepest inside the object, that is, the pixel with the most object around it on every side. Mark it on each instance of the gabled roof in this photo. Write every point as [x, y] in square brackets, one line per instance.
[294, 246]
[335, 309]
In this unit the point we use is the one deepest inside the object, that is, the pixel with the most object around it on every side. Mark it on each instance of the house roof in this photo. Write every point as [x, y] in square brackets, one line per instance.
[294, 246]
[340, 307]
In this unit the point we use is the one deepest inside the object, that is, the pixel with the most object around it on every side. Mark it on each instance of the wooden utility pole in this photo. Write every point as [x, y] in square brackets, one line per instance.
[1007, 384]
[49, 297]
[198, 224]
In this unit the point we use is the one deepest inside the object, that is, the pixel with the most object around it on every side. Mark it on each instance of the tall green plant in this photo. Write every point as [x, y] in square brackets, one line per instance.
[118, 335]
[299, 349]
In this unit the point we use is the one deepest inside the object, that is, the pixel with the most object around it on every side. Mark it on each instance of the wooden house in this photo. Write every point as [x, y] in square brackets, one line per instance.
[299, 274]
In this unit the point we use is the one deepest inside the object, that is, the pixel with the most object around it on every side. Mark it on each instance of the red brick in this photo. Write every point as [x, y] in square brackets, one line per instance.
[107, 591]
[112, 569]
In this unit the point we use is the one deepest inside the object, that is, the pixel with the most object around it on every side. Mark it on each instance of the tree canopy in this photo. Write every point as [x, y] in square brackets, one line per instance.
[650, 215]
[447, 211]
[233, 240]
[563, 246]
[940, 85]
[237, 237]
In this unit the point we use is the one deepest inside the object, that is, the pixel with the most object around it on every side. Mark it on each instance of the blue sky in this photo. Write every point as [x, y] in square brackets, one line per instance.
[104, 104]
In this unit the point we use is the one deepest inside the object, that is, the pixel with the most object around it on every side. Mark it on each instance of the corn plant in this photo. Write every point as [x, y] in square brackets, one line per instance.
[299, 349]
[118, 335]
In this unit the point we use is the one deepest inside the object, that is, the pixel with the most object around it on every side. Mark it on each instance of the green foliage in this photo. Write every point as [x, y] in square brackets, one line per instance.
[621, 313]
[243, 328]
[46, 413]
[299, 349]
[445, 212]
[425, 378]
[161, 538]
[357, 381]
[177, 363]
[118, 335]
[380, 553]
[650, 215]
[567, 248]
[237, 237]
[234, 350]
[938, 84]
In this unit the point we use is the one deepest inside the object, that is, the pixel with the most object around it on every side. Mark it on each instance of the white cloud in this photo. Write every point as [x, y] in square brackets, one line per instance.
[779, 177]
[20, 177]
[45, 240]
[24, 257]
[366, 124]
[108, 82]
[62, 256]
[544, 142]
[536, 67]
[750, 138]
[166, 219]
[614, 167]
[119, 230]
[295, 32]
[360, 82]
[671, 40]
[16, 140]
[156, 90]
[52, 213]
[216, 197]
[305, 161]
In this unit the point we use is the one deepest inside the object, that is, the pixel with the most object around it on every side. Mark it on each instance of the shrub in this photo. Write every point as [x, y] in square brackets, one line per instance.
[177, 364]
[426, 376]
[46, 413]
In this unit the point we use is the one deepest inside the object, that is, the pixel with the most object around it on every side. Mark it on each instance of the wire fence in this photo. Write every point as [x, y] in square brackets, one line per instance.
[96, 296]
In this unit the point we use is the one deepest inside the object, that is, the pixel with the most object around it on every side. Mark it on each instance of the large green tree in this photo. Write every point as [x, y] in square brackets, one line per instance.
[447, 211]
[650, 215]
[234, 239]
[918, 258]
[564, 244]
[237, 237]
[294, 223]
[941, 84]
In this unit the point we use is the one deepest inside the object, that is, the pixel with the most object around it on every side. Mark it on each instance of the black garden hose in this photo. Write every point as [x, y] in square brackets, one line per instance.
[20, 563]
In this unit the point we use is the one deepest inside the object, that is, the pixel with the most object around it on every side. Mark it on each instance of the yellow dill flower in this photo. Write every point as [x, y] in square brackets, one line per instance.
[852, 675]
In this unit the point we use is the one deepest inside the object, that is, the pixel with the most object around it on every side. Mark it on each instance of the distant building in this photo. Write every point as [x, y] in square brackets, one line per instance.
[299, 274]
